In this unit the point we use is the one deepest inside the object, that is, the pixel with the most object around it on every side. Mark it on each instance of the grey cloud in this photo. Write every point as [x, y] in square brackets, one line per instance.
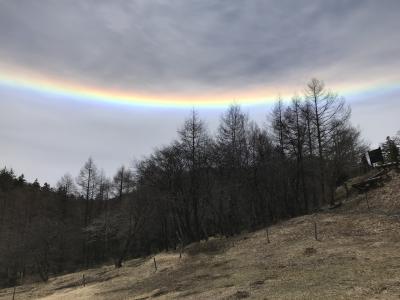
[169, 46]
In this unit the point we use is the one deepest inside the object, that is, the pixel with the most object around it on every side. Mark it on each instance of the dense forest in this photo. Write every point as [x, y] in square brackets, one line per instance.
[242, 178]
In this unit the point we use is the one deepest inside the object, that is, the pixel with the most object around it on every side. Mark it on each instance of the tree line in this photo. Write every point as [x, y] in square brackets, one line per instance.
[243, 177]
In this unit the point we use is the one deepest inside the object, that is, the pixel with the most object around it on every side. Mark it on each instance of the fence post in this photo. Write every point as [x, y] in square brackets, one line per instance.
[366, 198]
[268, 241]
[315, 231]
[155, 263]
[180, 244]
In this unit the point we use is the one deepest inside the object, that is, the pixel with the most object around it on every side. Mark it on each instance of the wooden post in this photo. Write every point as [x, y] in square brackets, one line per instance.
[268, 241]
[15, 287]
[180, 244]
[155, 263]
[83, 280]
[315, 231]
[347, 191]
[366, 199]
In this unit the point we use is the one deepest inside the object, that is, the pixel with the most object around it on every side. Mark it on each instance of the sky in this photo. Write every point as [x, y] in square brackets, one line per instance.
[114, 80]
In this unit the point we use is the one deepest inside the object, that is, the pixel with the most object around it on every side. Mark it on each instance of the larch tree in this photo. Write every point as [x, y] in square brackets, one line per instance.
[122, 182]
[295, 135]
[329, 111]
[87, 181]
[193, 142]
[232, 158]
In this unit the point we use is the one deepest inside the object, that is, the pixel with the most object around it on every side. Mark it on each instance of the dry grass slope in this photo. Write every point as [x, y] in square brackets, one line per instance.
[357, 257]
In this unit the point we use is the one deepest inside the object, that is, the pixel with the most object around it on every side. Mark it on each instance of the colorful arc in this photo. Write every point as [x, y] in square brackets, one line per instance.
[100, 95]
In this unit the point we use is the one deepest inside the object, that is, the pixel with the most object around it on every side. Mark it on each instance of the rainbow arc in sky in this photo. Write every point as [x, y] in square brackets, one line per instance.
[59, 88]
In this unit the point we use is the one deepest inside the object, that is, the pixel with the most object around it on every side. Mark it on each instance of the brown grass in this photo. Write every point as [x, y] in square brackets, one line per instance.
[357, 257]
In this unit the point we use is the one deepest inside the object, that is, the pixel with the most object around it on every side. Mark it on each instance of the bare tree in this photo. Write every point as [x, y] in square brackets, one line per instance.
[87, 181]
[193, 142]
[232, 159]
[122, 182]
[278, 125]
[66, 185]
[124, 224]
[328, 109]
[295, 133]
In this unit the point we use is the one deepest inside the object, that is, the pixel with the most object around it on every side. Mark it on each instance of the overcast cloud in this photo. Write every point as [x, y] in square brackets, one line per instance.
[193, 45]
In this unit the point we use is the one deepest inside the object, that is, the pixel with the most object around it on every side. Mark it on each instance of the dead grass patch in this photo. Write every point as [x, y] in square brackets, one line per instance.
[211, 247]
[239, 295]
[310, 251]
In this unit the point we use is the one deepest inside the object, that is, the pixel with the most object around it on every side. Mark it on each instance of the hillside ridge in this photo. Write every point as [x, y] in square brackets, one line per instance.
[355, 257]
